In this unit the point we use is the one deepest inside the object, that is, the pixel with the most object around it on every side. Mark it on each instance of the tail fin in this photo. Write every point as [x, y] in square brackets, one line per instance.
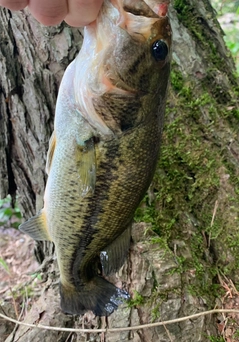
[98, 295]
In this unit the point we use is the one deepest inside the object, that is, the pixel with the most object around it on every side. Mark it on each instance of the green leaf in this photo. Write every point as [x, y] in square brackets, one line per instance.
[4, 265]
[18, 214]
[8, 212]
[15, 224]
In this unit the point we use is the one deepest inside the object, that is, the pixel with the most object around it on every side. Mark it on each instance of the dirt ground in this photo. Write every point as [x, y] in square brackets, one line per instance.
[19, 286]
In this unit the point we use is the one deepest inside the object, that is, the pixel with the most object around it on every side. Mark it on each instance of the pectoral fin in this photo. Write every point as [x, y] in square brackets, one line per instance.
[36, 227]
[50, 153]
[113, 256]
[86, 166]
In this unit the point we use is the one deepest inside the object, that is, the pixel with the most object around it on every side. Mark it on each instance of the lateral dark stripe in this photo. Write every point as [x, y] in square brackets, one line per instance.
[93, 212]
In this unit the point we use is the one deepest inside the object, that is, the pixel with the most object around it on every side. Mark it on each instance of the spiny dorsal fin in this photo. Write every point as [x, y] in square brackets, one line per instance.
[36, 227]
[50, 153]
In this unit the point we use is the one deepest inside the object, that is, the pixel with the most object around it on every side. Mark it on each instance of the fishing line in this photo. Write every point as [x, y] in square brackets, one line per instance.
[112, 330]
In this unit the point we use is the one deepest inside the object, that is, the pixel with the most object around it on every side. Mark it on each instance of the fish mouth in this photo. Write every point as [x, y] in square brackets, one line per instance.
[146, 8]
[139, 8]
[138, 17]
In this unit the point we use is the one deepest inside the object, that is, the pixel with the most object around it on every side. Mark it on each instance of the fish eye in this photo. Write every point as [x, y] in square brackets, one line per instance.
[159, 50]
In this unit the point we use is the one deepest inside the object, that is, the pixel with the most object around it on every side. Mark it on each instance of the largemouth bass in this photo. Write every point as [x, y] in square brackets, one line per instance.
[104, 148]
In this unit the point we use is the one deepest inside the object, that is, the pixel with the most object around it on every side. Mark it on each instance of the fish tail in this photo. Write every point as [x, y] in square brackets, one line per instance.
[99, 296]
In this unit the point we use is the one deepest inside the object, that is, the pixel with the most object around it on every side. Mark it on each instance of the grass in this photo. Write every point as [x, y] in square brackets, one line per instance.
[9, 213]
[4, 265]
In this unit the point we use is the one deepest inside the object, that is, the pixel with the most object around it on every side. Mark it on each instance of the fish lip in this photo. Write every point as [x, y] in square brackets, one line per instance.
[146, 11]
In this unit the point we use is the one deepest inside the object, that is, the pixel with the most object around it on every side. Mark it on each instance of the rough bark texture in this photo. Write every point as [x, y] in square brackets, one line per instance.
[192, 205]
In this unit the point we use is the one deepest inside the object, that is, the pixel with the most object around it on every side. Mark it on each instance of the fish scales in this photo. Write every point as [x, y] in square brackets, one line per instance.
[104, 149]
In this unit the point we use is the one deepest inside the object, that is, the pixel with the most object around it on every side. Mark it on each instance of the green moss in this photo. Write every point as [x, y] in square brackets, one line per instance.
[194, 21]
[216, 339]
[156, 313]
[176, 79]
[136, 300]
[205, 291]
[187, 184]
[146, 212]
[191, 213]
[236, 335]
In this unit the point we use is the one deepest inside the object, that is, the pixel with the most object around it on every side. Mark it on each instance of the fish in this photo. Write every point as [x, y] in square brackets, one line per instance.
[104, 149]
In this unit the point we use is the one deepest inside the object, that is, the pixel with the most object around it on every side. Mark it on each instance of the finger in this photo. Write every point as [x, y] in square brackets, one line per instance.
[14, 5]
[48, 12]
[82, 12]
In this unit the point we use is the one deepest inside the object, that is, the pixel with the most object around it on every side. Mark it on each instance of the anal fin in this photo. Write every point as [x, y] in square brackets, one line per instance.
[114, 255]
[36, 227]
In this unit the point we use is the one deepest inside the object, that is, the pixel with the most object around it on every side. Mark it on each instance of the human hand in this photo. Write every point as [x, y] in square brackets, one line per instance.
[52, 12]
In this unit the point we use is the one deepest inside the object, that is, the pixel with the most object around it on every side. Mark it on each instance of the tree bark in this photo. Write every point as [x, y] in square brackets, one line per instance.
[186, 235]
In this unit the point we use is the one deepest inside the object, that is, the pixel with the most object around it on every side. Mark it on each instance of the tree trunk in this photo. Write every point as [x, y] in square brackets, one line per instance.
[186, 237]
